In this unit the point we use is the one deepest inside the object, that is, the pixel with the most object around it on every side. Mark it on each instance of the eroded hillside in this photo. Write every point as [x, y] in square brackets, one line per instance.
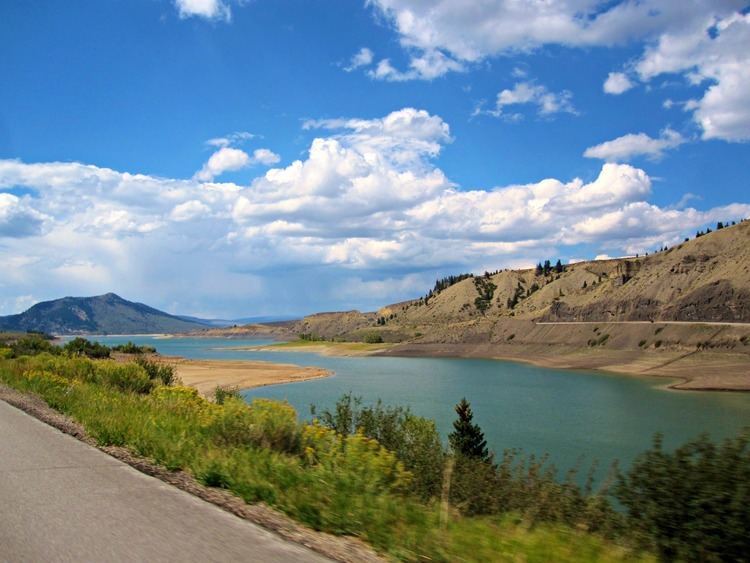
[704, 279]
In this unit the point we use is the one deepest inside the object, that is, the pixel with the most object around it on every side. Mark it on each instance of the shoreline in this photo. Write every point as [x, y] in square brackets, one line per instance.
[206, 375]
[688, 371]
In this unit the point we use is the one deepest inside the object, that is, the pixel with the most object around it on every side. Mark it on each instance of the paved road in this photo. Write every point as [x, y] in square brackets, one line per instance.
[61, 500]
[710, 323]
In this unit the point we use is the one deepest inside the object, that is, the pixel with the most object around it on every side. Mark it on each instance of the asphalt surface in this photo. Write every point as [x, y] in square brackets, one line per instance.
[62, 500]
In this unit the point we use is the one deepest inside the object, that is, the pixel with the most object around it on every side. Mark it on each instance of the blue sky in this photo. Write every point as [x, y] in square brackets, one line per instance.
[227, 158]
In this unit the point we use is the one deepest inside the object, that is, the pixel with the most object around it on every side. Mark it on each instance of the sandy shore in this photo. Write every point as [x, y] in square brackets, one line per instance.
[346, 349]
[206, 375]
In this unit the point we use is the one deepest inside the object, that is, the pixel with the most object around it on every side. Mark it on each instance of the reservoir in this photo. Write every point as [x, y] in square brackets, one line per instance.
[574, 416]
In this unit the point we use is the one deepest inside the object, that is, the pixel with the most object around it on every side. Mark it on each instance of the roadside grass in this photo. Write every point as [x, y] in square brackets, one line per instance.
[331, 482]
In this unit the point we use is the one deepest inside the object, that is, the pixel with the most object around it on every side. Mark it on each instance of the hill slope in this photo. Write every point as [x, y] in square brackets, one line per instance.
[705, 279]
[103, 314]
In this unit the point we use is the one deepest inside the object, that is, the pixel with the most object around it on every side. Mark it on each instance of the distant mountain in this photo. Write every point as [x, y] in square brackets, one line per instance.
[103, 314]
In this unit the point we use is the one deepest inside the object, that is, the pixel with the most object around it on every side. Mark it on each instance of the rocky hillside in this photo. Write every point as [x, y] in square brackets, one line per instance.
[704, 279]
[103, 314]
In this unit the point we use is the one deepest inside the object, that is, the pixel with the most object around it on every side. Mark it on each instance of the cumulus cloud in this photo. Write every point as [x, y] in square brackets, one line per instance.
[224, 160]
[428, 65]
[714, 51]
[208, 9]
[363, 57]
[18, 218]
[265, 156]
[528, 93]
[636, 144]
[468, 31]
[366, 203]
[617, 83]
[228, 159]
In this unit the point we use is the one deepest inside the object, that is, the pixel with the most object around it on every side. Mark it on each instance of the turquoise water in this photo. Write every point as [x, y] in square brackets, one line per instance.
[572, 415]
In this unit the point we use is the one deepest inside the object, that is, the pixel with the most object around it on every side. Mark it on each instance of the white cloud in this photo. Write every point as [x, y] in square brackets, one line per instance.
[18, 218]
[361, 58]
[228, 159]
[189, 210]
[235, 138]
[617, 83]
[367, 197]
[546, 102]
[264, 156]
[208, 9]
[712, 50]
[639, 144]
[468, 31]
[428, 65]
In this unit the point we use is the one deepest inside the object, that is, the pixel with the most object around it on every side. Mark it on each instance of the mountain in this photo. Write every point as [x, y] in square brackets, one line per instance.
[103, 314]
[703, 279]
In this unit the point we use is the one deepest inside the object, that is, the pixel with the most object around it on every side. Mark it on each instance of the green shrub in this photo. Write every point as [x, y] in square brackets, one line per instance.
[641, 344]
[124, 377]
[373, 338]
[693, 504]
[224, 392]
[82, 347]
[31, 345]
[264, 424]
[131, 348]
[414, 440]
[156, 371]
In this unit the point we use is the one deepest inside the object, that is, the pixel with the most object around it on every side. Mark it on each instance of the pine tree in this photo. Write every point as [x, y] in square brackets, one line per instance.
[467, 439]
[559, 267]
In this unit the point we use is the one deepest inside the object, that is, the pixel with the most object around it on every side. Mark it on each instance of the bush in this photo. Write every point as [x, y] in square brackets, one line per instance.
[413, 439]
[82, 347]
[130, 348]
[161, 373]
[31, 345]
[125, 377]
[265, 424]
[692, 504]
[224, 392]
[373, 338]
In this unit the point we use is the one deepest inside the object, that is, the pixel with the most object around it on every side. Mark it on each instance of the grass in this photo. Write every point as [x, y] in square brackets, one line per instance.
[339, 484]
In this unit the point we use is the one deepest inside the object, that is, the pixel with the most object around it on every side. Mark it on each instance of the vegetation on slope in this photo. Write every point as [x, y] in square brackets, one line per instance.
[383, 474]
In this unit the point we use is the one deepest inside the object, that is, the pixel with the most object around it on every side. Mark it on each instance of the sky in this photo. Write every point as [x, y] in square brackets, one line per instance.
[227, 158]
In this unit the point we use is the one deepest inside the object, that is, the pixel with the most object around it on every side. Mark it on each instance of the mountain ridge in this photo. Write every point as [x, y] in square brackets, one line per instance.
[101, 314]
[700, 280]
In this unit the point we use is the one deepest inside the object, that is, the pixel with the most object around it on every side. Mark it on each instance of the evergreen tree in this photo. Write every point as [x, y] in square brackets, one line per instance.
[467, 439]
[559, 267]
[539, 271]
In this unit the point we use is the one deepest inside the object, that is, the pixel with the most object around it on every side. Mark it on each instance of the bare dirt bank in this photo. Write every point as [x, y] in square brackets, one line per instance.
[206, 375]
[693, 370]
